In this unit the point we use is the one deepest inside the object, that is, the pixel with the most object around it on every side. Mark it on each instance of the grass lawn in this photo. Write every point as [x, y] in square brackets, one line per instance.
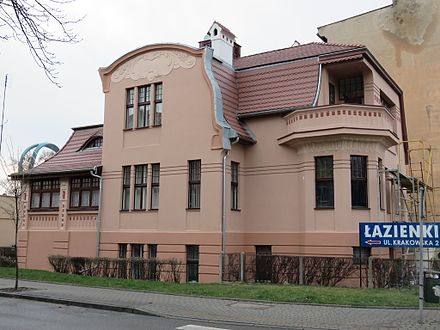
[269, 292]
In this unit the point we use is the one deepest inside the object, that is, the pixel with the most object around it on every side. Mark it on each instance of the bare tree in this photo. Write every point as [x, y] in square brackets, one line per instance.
[13, 186]
[37, 24]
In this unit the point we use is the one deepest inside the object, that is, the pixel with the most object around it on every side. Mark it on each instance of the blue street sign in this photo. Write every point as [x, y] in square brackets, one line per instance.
[399, 234]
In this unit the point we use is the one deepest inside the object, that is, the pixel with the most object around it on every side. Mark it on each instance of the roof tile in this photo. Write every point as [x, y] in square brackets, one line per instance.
[71, 158]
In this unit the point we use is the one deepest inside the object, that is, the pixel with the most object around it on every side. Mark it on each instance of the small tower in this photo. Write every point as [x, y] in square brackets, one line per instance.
[222, 41]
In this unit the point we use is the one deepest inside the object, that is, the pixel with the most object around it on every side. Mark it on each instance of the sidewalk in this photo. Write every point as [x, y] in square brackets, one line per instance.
[257, 313]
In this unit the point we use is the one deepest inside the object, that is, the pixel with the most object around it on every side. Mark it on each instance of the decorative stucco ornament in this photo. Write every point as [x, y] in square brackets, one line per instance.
[153, 65]
[408, 19]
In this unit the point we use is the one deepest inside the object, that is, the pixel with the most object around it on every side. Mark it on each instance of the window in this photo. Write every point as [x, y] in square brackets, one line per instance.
[360, 255]
[158, 105]
[129, 108]
[140, 187]
[381, 174]
[324, 186]
[194, 184]
[234, 185]
[126, 172]
[143, 113]
[137, 269]
[351, 90]
[152, 251]
[153, 274]
[359, 196]
[386, 101]
[155, 175]
[45, 194]
[84, 192]
[122, 253]
[94, 143]
[192, 263]
[331, 94]
[263, 263]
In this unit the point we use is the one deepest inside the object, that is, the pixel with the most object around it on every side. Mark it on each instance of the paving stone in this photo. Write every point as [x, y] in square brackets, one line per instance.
[269, 314]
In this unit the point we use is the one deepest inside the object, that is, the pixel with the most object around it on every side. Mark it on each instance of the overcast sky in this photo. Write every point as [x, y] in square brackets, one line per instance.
[38, 111]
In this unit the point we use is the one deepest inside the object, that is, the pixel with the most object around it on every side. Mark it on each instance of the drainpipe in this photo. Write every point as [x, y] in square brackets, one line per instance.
[223, 226]
[98, 217]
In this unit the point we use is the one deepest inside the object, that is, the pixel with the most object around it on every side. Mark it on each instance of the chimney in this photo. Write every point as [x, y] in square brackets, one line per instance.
[223, 42]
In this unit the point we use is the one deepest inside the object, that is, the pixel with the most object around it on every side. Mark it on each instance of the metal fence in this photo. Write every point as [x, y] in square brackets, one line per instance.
[167, 270]
[325, 271]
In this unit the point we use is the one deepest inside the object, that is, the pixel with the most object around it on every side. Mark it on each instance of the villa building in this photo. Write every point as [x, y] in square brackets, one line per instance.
[203, 151]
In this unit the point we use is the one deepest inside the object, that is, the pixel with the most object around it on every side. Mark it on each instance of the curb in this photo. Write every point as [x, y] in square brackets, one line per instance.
[132, 310]
[67, 302]
[231, 299]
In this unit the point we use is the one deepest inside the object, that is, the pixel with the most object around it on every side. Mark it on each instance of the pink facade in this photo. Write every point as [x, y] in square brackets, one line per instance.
[300, 131]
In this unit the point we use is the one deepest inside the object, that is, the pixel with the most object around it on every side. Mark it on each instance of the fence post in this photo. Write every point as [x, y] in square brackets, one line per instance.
[242, 259]
[301, 270]
[370, 272]
[220, 267]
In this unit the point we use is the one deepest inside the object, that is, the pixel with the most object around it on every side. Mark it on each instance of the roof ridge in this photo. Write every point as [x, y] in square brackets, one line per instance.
[303, 45]
[337, 44]
[274, 50]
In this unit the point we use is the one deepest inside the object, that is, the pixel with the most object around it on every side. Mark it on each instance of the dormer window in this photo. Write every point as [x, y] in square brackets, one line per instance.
[93, 143]
[215, 32]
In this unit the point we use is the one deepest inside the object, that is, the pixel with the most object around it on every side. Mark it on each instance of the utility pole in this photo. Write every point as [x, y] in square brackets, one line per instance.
[3, 113]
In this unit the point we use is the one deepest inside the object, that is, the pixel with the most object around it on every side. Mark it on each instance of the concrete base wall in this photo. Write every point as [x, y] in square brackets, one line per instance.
[36, 246]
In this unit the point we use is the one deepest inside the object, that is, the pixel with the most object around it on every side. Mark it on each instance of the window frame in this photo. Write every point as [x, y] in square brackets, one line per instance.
[140, 184]
[235, 167]
[92, 188]
[155, 184]
[324, 182]
[158, 103]
[331, 93]
[361, 255]
[52, 190]
[146, 104]
[129, 108]
[194, 184]
[354, 86]
[192, 263]
[93, 143]
[126, 187]
[357, 182]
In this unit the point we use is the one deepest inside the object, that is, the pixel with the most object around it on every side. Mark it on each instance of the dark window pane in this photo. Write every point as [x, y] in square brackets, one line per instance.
[152, 251]
[324, 186]
[359, 186]
[351, 90]
[122, 251]
[194, 184]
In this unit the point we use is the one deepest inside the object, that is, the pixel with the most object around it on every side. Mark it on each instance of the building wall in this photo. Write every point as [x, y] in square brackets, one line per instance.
[405, 39]
[276, 174]
[188, 132]
[7, 225]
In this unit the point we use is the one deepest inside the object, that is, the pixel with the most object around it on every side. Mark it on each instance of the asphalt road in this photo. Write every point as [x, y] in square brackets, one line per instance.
[20, 314]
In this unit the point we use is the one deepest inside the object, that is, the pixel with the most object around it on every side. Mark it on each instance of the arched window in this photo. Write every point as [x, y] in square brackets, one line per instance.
[93, 143]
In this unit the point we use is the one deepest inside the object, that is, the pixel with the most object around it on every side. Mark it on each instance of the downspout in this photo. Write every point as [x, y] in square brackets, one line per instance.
[223, 226]
[318, 88]
[98, 217]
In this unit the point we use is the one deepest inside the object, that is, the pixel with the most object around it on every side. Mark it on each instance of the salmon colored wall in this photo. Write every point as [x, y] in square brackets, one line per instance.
[276, 176]
[404, 39]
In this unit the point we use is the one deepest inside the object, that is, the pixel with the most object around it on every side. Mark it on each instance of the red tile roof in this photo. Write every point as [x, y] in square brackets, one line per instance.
[281, 79]
[71, 158]
[290, 54]
[287, 85]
